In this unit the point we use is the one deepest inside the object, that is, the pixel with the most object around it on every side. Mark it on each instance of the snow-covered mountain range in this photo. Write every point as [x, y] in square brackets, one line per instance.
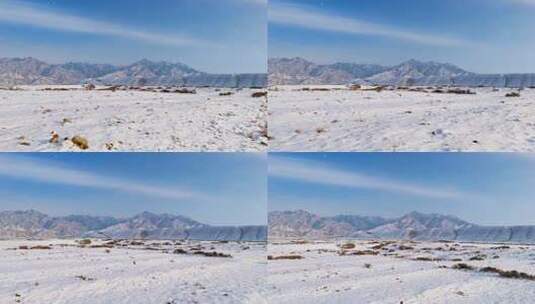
[33, 224]
[414, 226]
[31, 71]
[298, 71]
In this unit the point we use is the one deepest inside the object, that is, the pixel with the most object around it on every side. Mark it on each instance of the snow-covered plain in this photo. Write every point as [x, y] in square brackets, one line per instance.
[340, 119]
[131, 273]
[131, 120]
[401, 272]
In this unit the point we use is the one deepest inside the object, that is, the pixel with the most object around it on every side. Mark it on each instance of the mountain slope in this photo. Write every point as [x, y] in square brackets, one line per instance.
[415, 72]
[296, 71]
[146, 72]
[33, 224]
[17, 71]
[30, 71]
[421, 227]
[414, 226]
[149, 225]
[304, 224]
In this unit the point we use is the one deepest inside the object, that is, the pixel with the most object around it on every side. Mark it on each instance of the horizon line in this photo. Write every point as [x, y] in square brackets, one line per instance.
[126, 217]
[393, 65]
[129, 64]
[403, 215]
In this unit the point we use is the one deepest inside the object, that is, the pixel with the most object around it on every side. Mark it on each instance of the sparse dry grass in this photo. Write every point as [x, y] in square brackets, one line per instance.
[84, 242]
[358, 252]
[285, 257]
[462, 266]
[259, 94]
[81, 142]
[427, 259]
[84, 278]
[512, 94]
[348, 246]
[511, 274]
[212, 254]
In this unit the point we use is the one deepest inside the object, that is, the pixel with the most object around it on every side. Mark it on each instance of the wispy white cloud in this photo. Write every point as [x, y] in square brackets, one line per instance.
[39, 16]
[527, 2]
[305, 17]
[47, 172]
[319, 173]
[257, 2]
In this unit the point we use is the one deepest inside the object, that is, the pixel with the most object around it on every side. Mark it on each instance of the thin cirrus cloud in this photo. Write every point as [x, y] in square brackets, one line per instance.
[34, 170]
[527, 2]
[305, 17]
[17, 13]
[319, 173]
[258, 2]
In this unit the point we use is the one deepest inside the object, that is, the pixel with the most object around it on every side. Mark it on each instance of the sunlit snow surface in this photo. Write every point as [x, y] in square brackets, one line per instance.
[132, 120]
[148, 273]
[395, 275]
[399, 120]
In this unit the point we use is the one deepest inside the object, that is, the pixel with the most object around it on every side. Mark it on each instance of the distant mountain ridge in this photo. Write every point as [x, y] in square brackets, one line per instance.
[33, 224]
[414, 226]
[31, 71]
[293, 71]
[298, 71]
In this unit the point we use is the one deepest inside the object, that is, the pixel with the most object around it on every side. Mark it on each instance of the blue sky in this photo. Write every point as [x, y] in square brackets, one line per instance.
[484, 188]
[214, 188]
[220, 36]
[486, 36]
